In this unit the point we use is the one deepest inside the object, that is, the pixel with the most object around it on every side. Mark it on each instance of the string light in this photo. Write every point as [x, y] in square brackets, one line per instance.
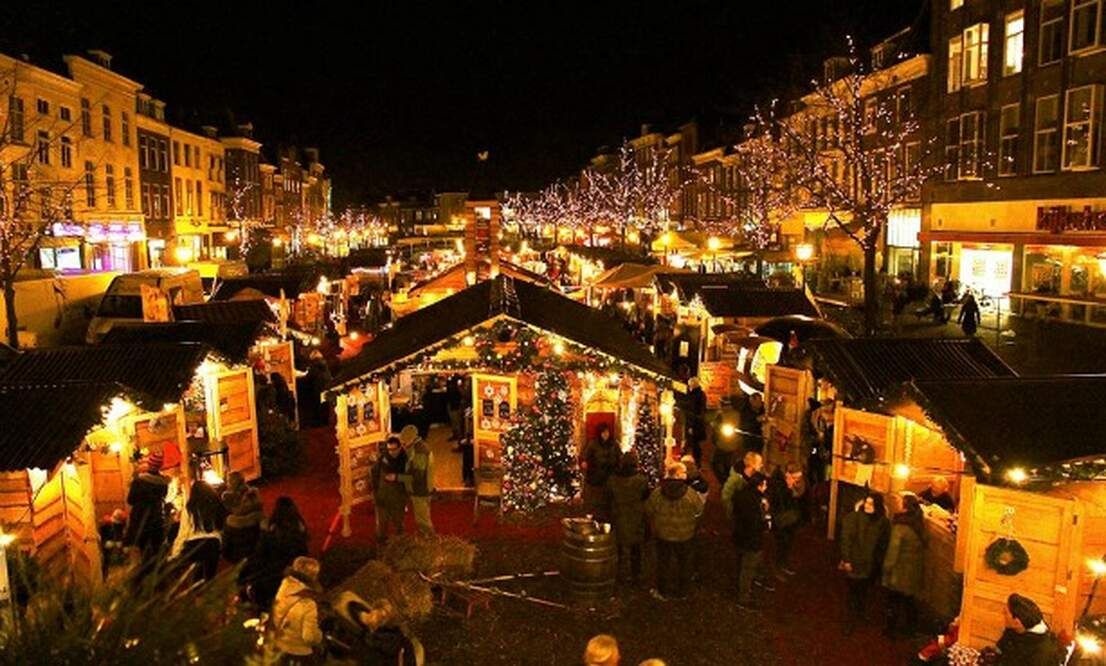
[901, 471]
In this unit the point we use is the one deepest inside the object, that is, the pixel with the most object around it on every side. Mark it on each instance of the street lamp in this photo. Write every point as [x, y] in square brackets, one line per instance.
[804, 252]
[714, 243]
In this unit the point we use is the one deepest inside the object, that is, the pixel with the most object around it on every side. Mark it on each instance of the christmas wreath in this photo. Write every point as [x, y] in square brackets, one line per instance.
[1007, 557]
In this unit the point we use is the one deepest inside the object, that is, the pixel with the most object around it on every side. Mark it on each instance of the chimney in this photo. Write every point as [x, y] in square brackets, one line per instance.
[102, 58]
[209, 131]
[246, 130]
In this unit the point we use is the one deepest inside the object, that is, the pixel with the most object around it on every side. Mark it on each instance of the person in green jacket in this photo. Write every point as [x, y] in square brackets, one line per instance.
[864, 535]
[418, 477]
[627, 491]
[903, 566]
[673, 510]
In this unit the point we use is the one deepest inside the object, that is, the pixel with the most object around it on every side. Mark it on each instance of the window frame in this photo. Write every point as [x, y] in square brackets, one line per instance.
[105, 113]
[1037, 132]
[1008, 156]
[982, 48]
[976, 144]
[66, 152]
[109, 185]
[955, 63]
[17, 129]
[1006, 39]
[86, 117]
[1096, 43]
[90, 184]
[42, 106]
[952, 149]
[1091, 123]
[128, 188]
[42, 147]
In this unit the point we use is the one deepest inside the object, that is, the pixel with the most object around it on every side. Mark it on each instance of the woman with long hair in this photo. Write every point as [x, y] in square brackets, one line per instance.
[199, 541]
[283, 539]
[903, 566]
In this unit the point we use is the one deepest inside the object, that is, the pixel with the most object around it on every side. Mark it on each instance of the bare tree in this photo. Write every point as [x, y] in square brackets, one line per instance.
[857, 154]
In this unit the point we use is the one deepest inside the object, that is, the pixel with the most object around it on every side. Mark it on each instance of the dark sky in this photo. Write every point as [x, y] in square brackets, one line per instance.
[403, 95]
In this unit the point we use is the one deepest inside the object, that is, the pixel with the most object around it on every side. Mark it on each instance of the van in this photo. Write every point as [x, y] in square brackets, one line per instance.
[122, 302]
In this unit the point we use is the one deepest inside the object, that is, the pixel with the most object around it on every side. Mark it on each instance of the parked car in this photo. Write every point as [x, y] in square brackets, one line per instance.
[122, 302]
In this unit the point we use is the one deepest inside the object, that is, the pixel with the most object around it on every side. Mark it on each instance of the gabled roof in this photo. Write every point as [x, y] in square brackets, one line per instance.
[268, 284]
[157, 373]
[737, 300]
[42, 425]
[1018, 421]
[225, 312]
[232, 341]
[866, 369]
[626, 275]
[687, 285]
[456, 273]
[519, 300]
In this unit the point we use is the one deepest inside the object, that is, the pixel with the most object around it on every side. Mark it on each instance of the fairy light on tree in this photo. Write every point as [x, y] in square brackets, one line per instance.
[539, 464]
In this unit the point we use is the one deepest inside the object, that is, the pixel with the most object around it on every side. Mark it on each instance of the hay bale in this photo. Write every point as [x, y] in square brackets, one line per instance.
[409, 593]
[447, 557]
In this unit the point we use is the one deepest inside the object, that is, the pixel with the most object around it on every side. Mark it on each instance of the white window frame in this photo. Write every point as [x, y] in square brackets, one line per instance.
[979, 48]
[952, 149]
[975, 142]
[1038, 132]
[1008, 157]
[1097, 8]
[1013, 44]
[955, 63]
[1090, 123]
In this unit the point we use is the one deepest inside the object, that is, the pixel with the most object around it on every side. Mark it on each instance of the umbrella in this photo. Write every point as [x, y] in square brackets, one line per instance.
[806, 328]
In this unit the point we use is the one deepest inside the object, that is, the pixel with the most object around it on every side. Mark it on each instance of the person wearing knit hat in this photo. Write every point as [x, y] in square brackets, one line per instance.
[146, 498]
[153, 462]
[1026, 641]
[602, 650]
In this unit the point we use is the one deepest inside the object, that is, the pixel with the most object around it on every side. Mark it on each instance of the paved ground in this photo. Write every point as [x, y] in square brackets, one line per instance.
[802, 623]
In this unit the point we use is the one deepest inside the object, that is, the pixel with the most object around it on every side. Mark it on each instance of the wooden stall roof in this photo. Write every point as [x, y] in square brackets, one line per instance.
[609, 256]
[157, 373]
[1018, 421]
[687, 284]
[225, 312]
[516, 299]
[864, 370]
[455, 274]
[627, 275]
[42, 425]
[740, 301]
[269, 284]
[232, 341]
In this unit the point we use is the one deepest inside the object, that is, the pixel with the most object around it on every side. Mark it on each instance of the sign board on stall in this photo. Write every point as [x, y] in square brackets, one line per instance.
[494, 400]
[363, 421]
[155, 304]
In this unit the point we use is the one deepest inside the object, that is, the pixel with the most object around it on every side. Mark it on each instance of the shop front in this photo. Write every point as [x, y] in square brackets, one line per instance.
[95, 246]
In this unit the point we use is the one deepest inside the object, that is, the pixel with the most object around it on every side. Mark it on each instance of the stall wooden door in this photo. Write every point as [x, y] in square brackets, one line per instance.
[1049, 530]
[65, 538]
[233, 420]
[279, 357]
[786, 392]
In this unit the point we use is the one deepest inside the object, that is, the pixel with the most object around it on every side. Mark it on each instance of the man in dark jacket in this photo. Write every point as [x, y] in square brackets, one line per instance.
[674, 510]
[750, 521]
[146, 497]
[784, 498]
[600, 457]
[389, 493]
[1026, 641]
[627, 491]
[696, 419]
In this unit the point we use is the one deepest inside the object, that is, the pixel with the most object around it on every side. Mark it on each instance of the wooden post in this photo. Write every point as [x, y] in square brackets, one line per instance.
[345, 488]
[838, 438]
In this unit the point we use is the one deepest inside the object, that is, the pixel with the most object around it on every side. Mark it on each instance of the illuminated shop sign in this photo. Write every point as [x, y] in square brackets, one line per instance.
[97, 232]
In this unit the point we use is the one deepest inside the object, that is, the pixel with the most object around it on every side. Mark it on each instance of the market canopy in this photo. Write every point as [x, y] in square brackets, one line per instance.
[226, 312]
[682, 241]
[626, 276]
[42, 425]
[501, 298]
[157, 373]
[269, 285]
[1027, 422]
[866, 369]
[232, 341]
[455, 276]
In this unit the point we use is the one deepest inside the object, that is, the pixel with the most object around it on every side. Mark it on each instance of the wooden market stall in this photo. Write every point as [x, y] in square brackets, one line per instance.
[302, 298]
[501, 333]
[456, 278]
[1038, 507]
[65, 461]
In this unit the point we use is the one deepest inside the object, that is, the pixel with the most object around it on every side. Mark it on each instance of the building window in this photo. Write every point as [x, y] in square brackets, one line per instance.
[42, 106]
[1080, 127]
[42, 145]
[86, 117]
[188, 189]
[1014, 43]
[15, 119]
[971, 140]
[128, 188]
[904, 104]
[90, 184]
[975, 54]
[1085, 25]
[176, 153]
[1052, 32]
[109, 184]
[956, 59]
[125, 128]
[65, 114]
[146, 199]
[155, 203]
[871, 113]
[178, 189]
[199, 198]
[163, 155]
[955, 4]
[66, 152]
[1009, 124]
[952, 148]
[143, 152]
[187, 155]
[107, 122]
[1046, 135]
[165, 200]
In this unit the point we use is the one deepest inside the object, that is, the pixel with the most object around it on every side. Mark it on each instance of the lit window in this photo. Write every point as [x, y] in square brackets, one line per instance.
[1013, 46]
[955, 4]
[1080, 117]
[1010, 124]
[956, 58]
[975, 54]
[1085, 24]
[1046, 135]
[971, 138]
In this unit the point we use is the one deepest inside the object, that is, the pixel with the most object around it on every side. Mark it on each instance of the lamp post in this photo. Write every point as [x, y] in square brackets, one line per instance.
[804, 252]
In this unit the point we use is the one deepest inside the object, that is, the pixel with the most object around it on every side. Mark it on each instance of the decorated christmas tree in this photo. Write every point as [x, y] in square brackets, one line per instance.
[539, 465]
[647, 443]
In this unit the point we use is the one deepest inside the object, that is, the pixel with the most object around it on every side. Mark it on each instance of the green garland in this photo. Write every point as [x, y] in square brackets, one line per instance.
[1006, 557]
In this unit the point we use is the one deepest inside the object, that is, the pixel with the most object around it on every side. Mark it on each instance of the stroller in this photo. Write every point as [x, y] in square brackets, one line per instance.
[350, 639]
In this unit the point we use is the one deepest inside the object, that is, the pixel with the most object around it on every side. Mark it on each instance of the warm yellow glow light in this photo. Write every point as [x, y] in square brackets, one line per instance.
[1017, 475]
[614, 378]
[1101, 257]
[212, 478]
[713, 243]
[354, 335]
[666, 409]
[182, 254]
[901, 471]
[558, 347]
[1088, 644]
[6, 539]
[231, 236]
[315, 342]
[728, 430]
[804, 252]
[277, 242]
[115, 447]
[1097, 566]
[469, 341]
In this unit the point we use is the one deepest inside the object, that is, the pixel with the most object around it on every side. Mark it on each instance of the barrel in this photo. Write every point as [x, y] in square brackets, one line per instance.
[589, 560]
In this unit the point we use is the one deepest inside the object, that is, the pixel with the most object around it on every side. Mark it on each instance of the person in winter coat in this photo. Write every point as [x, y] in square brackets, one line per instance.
[627, 491]
[750, 521]
[673, 510]
[295, 620]
[903, 566]
[751, 462]
[282, 394]
[969, 317]
[243, 526]
[389, 492]
[785, 491]
[600, 457]
[1026, 640]
[418, 477]
[146, 498]
[696, 418]
[864, 535]
[199, 542]
[283, 539]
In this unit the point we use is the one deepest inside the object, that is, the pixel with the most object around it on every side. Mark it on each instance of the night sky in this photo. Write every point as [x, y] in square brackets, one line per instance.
[401, 96]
